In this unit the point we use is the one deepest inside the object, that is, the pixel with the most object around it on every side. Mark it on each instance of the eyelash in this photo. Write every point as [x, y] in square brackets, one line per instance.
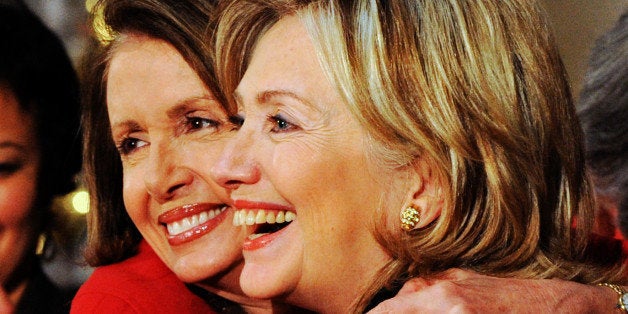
[128, 145]
[193, 123]
[236, 121]
[7, 169]
[278, 120]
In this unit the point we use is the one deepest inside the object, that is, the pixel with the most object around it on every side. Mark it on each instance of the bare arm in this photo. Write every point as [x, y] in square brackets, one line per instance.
[460, 291]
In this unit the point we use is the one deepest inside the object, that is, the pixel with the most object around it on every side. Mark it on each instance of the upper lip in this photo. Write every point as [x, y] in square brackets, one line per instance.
[187, 210]
[246, 204]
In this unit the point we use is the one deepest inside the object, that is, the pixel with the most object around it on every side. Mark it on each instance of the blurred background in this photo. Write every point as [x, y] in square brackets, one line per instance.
[576, 23]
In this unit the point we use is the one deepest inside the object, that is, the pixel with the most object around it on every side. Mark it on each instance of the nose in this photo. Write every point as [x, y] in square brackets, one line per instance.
[237, 164]
[165, 176]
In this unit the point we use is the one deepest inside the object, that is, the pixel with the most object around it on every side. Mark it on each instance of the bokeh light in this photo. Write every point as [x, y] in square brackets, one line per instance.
[80, 201]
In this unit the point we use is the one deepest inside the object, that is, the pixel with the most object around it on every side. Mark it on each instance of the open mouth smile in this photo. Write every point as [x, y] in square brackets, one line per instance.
[268, 221]
[189, 222]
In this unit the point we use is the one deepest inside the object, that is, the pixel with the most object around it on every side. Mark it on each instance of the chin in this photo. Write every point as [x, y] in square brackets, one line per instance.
[197, 268]
[261, 283]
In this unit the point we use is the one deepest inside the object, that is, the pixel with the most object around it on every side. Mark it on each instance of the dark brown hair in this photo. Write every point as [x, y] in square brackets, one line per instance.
[112, 236]
[35, 67]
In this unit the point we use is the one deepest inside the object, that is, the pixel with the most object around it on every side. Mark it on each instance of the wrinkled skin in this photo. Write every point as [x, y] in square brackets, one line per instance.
[461, 291]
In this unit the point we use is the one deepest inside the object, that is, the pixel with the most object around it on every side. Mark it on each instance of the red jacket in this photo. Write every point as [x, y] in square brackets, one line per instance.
[140, 284]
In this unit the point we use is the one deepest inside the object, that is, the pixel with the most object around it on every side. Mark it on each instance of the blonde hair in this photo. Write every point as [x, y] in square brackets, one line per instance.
[478, 89]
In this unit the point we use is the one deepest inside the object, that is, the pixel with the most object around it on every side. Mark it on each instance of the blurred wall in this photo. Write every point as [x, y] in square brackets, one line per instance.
[577, 23]
[67, 18]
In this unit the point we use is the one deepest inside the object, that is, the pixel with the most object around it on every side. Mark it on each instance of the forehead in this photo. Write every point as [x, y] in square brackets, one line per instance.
[147, 73]
[285, 60]
[142, 61]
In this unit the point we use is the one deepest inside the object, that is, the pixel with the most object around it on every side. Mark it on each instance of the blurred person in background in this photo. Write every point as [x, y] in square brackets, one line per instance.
[603, 112]
[39, 156]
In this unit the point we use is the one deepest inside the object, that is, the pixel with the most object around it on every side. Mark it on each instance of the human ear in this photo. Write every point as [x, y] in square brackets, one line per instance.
[425, 197]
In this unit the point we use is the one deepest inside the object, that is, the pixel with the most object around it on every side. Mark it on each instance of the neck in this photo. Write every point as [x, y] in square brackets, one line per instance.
[227, 286]
[345, 292]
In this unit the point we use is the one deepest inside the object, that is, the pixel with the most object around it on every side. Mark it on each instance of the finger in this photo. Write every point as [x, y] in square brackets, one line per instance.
[414, 285]
[457, 274]
[398, 305]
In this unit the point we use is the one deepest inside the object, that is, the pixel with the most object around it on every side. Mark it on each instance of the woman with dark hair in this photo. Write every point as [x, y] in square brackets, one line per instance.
[39, 154]
[160, 231]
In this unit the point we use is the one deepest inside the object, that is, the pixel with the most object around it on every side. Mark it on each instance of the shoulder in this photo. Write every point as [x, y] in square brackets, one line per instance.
[140, 284]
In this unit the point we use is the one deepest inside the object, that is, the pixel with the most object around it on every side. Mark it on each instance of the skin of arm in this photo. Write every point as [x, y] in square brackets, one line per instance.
[463, 291]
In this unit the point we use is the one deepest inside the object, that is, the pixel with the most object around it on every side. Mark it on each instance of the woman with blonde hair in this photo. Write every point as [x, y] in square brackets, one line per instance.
[401, 139]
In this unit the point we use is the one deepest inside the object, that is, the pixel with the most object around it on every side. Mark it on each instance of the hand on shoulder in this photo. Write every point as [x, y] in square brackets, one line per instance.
[463, 291]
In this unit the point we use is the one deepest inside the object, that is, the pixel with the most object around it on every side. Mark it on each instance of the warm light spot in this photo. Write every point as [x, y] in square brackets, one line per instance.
[80, 202]
[89, 4]
[102, 31]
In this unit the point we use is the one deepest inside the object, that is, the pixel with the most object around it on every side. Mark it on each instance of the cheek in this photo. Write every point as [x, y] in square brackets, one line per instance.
[200, 157]
[134, 192]
[17, 197]
[326, 186]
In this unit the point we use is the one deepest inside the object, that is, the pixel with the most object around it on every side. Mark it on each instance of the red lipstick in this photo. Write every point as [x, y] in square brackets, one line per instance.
[189, 210]
[244, 204]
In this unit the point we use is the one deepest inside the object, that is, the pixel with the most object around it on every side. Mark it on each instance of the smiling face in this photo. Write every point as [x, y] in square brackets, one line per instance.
[169, 129]
[301, 155]
[19, 167]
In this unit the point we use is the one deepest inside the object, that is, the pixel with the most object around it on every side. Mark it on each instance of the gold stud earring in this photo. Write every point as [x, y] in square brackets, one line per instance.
[409, 218]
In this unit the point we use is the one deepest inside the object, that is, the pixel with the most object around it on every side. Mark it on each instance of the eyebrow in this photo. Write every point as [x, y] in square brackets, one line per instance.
[180, 108]
[265, 96]
[184, 105]
[14, 145]
[126, 124]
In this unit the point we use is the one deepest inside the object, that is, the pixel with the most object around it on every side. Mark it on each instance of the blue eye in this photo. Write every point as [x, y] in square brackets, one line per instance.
[280, 124]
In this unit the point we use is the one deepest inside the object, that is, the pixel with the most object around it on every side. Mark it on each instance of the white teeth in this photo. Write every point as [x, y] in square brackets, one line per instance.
[280, 217]
[270, 218]
[236, 219]
[203, 217]
[188, 223]
[290, 216]
[174, 228]
[242, 215]
[252, 217]
[261, 217]
[255, 236]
